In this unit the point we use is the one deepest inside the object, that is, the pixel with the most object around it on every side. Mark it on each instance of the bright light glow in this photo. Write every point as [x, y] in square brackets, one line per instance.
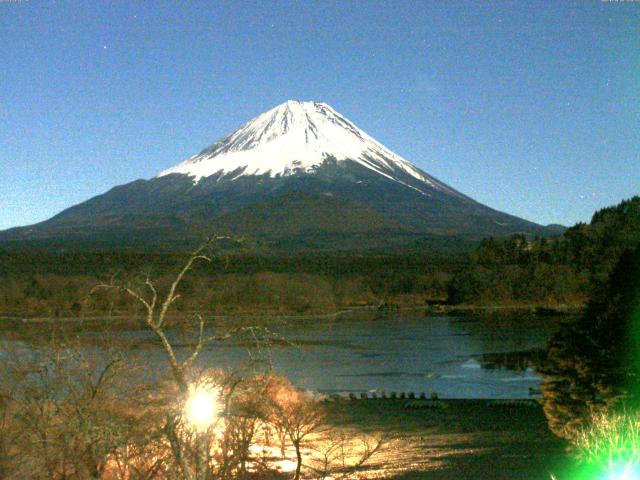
[629, 472]
[201, 408]
[287, 465]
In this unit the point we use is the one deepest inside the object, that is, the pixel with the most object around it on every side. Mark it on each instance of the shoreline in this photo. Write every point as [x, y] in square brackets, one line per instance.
[430, 310]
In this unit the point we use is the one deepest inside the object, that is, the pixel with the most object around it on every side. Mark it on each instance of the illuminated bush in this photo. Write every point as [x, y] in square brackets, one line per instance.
[611, 441]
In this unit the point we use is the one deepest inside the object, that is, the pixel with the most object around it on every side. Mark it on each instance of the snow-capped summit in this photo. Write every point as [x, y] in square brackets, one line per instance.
[297, 137]
[299, 176]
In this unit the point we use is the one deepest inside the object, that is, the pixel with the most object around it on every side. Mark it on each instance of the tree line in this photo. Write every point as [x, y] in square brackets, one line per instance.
[566, 269]
[513, 270]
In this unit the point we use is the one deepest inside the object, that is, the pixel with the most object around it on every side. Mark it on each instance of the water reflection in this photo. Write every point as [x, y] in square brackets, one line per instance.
[517, 361]
[456, 357]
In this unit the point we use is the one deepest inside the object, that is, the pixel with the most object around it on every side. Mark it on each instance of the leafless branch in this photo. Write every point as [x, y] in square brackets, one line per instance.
[196, 351]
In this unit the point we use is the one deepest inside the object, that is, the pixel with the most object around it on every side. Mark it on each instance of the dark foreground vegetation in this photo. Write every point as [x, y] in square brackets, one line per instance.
[591, 387]
[593, 362]
[511, 271]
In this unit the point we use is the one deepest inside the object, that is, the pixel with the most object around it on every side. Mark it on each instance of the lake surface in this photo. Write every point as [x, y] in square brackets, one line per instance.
[391, 353]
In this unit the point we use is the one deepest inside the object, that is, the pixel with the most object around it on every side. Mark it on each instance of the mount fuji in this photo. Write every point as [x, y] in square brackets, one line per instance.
[297, 176]
[298, 137]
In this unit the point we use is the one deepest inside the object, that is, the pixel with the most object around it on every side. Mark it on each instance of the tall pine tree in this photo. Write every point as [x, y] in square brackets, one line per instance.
[593, 362]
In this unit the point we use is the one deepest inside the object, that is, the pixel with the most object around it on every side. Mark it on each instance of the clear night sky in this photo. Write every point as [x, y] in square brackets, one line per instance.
[532, 108]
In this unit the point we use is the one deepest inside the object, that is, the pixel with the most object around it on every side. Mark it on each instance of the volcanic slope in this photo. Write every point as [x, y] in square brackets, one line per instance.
[299, 175]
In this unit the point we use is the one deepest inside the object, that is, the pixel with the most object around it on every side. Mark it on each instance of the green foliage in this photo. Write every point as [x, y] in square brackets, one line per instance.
[593, 362]
[551, 271]
[611, 441]
[608, 447]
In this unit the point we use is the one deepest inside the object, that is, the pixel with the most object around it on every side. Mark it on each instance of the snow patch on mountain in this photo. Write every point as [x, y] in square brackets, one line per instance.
[297, 137]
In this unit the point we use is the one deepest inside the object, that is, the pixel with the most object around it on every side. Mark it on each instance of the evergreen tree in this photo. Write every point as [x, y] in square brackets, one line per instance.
[593, 361]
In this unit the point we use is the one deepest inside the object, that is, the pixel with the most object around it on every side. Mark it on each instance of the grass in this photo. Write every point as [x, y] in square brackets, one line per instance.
[467, 439]
[610, 442]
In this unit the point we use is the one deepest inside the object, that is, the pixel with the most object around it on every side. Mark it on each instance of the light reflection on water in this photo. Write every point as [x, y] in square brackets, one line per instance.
[393, 353]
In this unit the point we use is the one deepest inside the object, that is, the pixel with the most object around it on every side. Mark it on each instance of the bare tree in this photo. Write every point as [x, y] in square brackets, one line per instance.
[340, 455]
[156, 307]
[302, 423]
[66, 412]
[81, 416]
[295, 414]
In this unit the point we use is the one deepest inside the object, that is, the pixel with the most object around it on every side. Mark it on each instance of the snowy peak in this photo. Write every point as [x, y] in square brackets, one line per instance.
[298, 137]
[296, 120]
[298, 176]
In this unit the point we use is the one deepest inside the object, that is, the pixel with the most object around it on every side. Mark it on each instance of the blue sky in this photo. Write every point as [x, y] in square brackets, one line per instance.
[532, 108]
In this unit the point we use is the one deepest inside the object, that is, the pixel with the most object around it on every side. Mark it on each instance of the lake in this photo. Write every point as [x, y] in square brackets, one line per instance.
[455, 357]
